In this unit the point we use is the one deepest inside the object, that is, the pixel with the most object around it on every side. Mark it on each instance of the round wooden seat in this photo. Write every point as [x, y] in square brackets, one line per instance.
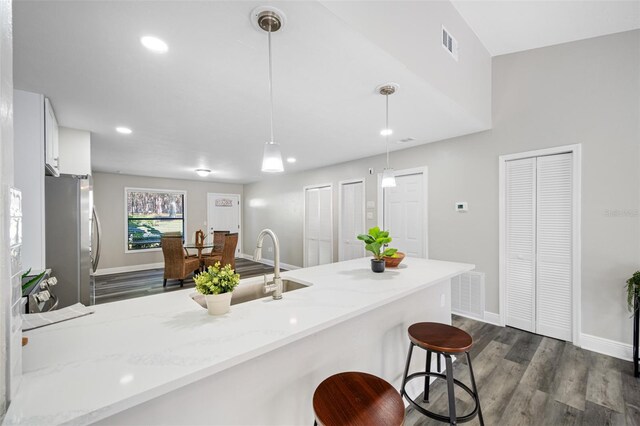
[438, 337]
[354, 398]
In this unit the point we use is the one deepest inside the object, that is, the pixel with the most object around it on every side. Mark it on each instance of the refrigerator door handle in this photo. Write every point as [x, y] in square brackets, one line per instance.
[96, 259]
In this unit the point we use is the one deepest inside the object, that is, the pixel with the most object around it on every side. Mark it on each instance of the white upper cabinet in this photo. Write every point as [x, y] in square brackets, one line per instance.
[74, 147]
[51, 155]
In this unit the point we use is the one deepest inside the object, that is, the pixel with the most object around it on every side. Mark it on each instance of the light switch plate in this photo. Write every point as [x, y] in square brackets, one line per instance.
[371, 204]
[370, 215]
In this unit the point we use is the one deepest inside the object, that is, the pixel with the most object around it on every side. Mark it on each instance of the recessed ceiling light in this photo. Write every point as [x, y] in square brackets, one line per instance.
[291, 160]
[386, 132]
[123, 130]
[203, 172]
[154, 44]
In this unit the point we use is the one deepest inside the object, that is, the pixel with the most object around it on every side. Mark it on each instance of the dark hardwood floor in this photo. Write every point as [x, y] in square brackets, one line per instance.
[128, 285]
[526, 379]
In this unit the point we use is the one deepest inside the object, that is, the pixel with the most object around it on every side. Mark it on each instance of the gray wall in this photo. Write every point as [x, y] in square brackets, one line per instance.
[585, 92]
[108, 190]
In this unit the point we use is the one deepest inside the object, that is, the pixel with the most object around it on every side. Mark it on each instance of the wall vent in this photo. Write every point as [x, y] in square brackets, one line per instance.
[467, 294]
[406, 140]
[449, 43]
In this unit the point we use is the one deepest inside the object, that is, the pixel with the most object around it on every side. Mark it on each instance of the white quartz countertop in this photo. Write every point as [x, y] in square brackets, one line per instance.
[129, 352]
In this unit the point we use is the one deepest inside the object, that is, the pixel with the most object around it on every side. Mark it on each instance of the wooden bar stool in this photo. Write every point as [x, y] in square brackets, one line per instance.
[445, 340]
[353, 398]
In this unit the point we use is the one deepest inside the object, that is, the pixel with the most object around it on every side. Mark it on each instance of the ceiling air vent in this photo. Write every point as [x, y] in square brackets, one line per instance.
[449, 43]
[406, 140]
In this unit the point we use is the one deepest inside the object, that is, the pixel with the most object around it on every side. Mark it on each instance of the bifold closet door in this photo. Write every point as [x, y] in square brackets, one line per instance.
[554, 244]
[318, 229]
[539, 245]
[520, 223]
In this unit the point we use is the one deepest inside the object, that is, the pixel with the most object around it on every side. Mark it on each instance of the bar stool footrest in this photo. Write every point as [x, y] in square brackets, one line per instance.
[436, 416]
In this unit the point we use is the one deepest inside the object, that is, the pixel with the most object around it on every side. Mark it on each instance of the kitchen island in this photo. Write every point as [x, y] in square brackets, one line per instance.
[162, 360]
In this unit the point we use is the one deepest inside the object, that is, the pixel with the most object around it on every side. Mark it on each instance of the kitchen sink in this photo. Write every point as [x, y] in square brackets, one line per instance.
[246, 292]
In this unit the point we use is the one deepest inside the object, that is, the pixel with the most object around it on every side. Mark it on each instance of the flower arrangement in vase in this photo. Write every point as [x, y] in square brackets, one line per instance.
[216, 284]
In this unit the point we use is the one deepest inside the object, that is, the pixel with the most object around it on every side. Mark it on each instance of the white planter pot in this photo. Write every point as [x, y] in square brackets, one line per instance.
[218, 304]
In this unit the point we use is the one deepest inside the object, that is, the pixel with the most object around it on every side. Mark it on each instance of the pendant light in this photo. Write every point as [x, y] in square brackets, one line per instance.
[388, 175]
[270, 19]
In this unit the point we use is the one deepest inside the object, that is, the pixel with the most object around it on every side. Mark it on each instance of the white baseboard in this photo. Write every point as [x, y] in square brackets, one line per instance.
[269, 262]
[130, 268]
[607, 347]
[489, 317]
[492, 318]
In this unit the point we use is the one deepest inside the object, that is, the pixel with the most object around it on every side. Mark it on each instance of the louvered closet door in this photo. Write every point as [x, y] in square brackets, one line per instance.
[312, 226]
[554, 246]
[520, 222]
[318, 226]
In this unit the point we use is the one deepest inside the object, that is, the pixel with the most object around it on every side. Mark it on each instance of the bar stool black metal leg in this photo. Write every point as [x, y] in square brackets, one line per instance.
[427, 379]
[475, 389]
[406, 368]
[439, 364]
[450, 390]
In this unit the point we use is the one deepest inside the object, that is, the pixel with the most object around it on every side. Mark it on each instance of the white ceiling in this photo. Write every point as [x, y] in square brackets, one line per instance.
[510, 26]
[204, 104]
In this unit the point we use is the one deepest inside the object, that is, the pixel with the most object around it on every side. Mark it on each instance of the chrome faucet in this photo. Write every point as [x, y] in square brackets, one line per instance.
[276, 284]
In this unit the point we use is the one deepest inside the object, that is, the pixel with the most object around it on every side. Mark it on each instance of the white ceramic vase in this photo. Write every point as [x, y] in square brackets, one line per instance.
[218, 304]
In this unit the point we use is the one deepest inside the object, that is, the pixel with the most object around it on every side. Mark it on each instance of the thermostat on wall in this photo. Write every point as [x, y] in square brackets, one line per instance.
[462, 206]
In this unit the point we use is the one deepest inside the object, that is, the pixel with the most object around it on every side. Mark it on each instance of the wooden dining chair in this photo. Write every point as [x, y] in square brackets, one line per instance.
[228, 255]
[218, 244]
[177, 263]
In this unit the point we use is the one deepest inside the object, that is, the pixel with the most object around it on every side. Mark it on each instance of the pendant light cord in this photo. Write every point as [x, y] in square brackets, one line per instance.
[387, 127]
[270, 85]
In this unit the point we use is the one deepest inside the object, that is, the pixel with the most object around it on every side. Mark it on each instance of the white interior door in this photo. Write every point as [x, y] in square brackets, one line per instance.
[223, 214]
[404, 214]
[539, 244]
[318, 226]
[520, 221]
[352, 220]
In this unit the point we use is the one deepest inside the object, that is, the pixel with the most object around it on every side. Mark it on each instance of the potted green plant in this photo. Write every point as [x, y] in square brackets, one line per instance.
[633, 291]
[375, 242]
[217, 284]
[633, 304]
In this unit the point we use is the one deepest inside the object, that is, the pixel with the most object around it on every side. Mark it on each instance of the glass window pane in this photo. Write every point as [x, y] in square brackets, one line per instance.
[146, 233]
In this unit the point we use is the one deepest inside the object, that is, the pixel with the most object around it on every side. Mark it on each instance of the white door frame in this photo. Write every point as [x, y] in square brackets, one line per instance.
[364, 209]
[217, 194]
[576, 151]
[304, 219]
[424, 170]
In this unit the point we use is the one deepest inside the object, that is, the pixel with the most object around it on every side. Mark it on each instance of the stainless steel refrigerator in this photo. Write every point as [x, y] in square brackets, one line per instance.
[72, 237]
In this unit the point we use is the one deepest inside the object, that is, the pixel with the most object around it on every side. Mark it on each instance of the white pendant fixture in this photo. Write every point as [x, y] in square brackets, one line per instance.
[270, 19]
[388, 175]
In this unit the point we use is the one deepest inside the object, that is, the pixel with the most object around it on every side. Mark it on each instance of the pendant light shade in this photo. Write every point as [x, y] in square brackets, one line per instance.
[272, 158]
[269, 20]
[388, 178]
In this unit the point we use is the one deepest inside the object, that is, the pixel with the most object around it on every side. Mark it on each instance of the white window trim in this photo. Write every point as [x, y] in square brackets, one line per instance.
[126, 216]
[219, 194]
[576, 285]
[304, 219]
[425, 207]
[364, 210]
